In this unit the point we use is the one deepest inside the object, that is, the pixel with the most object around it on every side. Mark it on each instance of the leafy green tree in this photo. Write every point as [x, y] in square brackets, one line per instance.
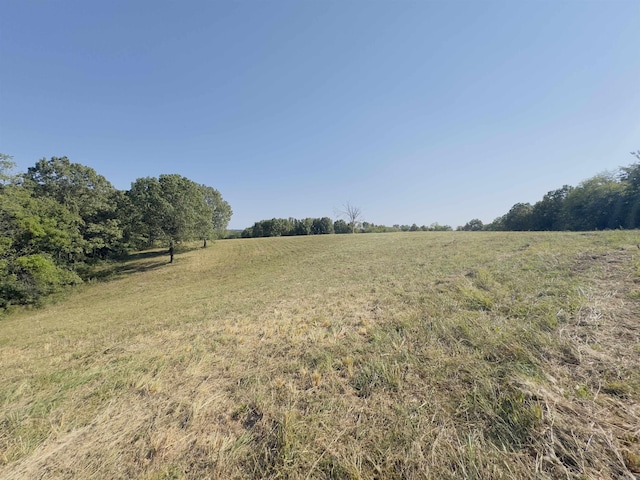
[39, 242]
[83, 192]
[303, 226]
[496, 225]
[220, 214]
[147, 208]
[186, 210]
[271, 228]
[173, 208]
[30, 225]
[260, 229]
[322, 226]
[548, 213]
[436, 227]
[595, 204]
[474, 225]
[276, 227]
[340, 226]
[518, 218]
[26, 279]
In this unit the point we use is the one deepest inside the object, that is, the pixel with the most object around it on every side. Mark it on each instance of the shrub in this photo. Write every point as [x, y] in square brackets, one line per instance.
[27, 279]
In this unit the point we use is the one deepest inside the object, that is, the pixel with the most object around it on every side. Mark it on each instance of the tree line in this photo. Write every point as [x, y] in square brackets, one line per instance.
[280, 227]
[605, 201]
[60, 217]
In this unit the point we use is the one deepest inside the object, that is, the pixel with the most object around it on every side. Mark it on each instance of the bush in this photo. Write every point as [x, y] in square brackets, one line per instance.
[27, 279]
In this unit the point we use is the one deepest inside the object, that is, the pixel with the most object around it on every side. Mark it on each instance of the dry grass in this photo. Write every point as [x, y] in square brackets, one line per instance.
[422, 355]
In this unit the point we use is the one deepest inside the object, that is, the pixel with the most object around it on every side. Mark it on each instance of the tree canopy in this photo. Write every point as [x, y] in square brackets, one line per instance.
[605, 201]
[85, 193]
[59, 216]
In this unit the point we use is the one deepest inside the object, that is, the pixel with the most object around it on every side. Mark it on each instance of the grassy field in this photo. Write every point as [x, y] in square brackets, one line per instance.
[409, 355]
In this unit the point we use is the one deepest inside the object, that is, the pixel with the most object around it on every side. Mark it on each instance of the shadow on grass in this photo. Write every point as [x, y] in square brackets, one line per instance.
[145, 254]
[136, 262]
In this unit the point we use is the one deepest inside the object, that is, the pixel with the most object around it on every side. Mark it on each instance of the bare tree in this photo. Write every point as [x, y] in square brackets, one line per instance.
[353, 214]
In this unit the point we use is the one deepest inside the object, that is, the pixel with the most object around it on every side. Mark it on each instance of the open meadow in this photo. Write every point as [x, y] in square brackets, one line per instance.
[407, 355]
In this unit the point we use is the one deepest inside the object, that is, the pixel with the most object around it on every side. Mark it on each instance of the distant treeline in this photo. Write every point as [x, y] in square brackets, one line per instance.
[605, 201]
[280, 227]
[59, 217]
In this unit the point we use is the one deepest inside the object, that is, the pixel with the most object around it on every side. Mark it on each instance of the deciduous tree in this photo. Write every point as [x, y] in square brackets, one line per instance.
[352, 214]
[474, 225]
[84, 192]
[220, 214]
[173, 208]
[39, 243]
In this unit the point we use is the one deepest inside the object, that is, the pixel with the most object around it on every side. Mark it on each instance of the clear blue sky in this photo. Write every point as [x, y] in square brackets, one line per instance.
[415, 111]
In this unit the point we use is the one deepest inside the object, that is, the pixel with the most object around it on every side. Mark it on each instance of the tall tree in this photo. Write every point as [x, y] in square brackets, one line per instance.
[548, 213]
[303, 226]
[474, 225]
[173, 208]
[221, 212]
[353, 214]
[340, 226]
[518, 218]
[595, 204]
[147, 208]
[84, 192]
[322, 226]
[39, 241]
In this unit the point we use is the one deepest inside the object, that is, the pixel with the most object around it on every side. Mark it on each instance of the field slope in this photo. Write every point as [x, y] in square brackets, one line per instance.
[409, 355]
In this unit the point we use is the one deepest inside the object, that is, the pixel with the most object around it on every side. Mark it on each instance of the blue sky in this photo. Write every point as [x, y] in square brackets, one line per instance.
[414, 111]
